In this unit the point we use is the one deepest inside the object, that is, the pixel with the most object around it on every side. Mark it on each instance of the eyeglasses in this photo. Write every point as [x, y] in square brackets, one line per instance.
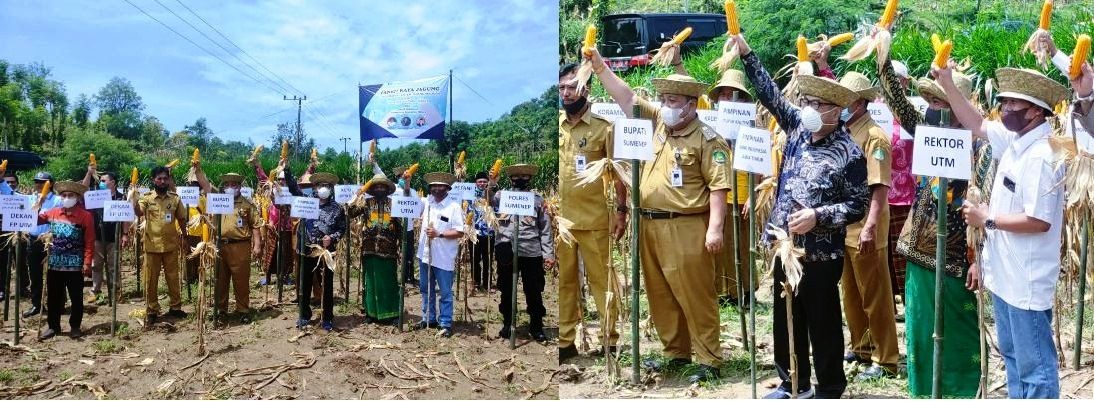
[816, 104]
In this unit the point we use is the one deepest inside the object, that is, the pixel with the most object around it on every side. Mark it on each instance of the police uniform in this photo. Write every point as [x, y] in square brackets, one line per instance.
[236, 229]
[580, 143]
[533, 246]
[161, 247]
[675, 188]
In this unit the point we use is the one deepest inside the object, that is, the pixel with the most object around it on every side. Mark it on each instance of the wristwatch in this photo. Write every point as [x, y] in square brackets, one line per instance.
[990, 224]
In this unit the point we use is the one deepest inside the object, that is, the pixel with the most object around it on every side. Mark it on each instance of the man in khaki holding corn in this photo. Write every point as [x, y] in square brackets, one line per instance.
[683, 206]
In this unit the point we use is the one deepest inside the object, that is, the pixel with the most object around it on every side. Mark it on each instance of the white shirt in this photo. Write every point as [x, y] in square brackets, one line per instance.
[446, 215]
[1022, 269]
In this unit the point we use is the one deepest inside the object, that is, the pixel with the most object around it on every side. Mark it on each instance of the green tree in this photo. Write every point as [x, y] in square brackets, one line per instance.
[112, 154]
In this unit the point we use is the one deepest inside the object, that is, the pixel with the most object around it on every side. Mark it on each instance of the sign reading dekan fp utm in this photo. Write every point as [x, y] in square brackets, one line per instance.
[942, 152]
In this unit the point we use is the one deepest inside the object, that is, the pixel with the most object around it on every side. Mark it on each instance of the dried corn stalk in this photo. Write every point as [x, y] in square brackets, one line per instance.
[785, 250]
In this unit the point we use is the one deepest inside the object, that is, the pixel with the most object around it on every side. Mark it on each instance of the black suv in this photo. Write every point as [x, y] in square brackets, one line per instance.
[628, 39]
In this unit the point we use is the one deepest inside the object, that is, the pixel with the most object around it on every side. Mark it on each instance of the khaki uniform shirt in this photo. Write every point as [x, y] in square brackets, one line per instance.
[237, 225]
[590, 137]
[702, 157]
[161, 214]
[876, 147]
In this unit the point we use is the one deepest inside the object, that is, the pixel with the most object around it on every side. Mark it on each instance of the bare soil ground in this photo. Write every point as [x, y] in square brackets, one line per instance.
[270, 358]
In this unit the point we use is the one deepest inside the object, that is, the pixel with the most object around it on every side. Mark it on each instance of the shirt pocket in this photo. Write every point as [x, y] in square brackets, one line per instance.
[593, 150]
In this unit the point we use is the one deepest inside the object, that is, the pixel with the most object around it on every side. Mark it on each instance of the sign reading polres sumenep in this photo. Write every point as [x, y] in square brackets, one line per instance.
[517, 203]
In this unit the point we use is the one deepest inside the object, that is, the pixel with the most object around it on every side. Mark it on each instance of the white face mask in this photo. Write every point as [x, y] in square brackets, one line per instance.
[670, 116]
[231, 191]
[323, 192]
[811, 119]
[68, 202]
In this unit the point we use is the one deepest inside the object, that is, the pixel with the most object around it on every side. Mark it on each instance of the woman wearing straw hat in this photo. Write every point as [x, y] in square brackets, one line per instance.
[822, 189]
[1023, 222]
[70, 254]
[324, 233]
[380, 243]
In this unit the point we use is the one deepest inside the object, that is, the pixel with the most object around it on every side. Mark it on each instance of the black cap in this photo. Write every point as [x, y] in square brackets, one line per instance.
[481, 176]
[43, 176]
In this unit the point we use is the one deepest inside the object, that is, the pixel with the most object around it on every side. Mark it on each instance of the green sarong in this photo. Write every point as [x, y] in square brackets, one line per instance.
[961, 338]
[381, 287]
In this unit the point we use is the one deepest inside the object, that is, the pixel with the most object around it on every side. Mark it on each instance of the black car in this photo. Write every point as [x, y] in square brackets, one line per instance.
[19, 160]
[628, 39]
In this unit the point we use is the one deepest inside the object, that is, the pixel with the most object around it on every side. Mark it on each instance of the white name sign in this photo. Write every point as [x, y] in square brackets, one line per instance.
[881, 115]
[19, 220]
[304, 208]
[609, 111]
[189, 195]
[919, 103]
[406, 206]
[942, 152]
[343, 193]
[95, 199]
[118, 211]
[752, 151]
[13, 202]
[463, 190]
[284, 197]
[633, 139]
[733, 116]
[517, 203]
[247, 192]
[219, 204]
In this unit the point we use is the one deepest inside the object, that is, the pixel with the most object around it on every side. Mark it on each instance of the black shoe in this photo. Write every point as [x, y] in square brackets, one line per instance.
[673, 364]
[566, 353]
[150, 320]
[599, 351]
[176, 313]
[781, 393]
[34, 310]
[703, 374]
[48, 334]
[851, 357]
[446, 332]
[874, 372]
[504, 333]
[75, 333]
[424, 325]
[245, 319]
[539, 336]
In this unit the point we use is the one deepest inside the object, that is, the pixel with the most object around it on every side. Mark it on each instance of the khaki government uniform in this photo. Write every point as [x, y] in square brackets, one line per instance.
[867, 290]
[193, 237]
[590, 213]
[161, 247]
[678, 271]
[235, 251]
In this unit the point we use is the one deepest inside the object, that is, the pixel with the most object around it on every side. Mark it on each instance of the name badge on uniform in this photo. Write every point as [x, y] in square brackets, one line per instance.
[677, 177]
[239, 222]
[579, 163]
[167, 217]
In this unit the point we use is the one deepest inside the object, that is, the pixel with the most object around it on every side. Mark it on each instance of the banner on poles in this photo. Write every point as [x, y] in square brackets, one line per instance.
[409, 110]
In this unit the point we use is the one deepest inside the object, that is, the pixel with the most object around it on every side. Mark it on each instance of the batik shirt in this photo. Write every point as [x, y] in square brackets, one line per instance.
[73, 237]
[828, 175]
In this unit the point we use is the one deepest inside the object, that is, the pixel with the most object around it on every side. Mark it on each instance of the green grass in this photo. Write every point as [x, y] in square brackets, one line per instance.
[106, 346]
[7, 376]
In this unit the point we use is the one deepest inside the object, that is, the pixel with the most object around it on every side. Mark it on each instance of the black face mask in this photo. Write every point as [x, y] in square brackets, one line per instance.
[522, 183]
[160, 188]
[1016, 120]
[438, 193]
[934, 117]
[576, 106]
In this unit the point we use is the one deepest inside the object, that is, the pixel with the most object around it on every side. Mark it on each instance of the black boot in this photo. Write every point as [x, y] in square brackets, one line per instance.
[535, 329]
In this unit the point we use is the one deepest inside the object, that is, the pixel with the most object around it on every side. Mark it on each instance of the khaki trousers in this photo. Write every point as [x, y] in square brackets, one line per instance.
[590, 247]
[153, 263]
[868, 306]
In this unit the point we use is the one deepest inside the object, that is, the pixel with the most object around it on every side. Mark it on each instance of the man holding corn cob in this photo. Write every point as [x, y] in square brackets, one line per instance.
[1023, 222]
[438, 242]
[683, 203]
[162, 241]
[240, 238]
[584, 138]
[821, 190]
[104, 233]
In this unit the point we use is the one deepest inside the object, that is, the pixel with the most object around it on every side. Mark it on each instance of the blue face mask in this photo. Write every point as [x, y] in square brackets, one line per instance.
[845, 115]
[102, 185]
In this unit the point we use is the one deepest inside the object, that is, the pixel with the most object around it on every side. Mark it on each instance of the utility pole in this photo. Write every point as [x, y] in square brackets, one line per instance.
[299, 139]
[345, 144]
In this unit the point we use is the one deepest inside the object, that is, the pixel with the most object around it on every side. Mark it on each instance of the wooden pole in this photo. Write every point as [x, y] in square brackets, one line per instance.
[940, 265]
[752, 283]
[114, 281]
[636, 282]
[1084, 241]
[513, 285]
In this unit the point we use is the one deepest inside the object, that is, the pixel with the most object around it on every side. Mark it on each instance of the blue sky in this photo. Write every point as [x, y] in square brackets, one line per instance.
[504, 50]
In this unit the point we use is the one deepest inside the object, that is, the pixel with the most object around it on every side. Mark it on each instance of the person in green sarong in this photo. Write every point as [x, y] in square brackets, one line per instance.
[380, 240]
[917, 242]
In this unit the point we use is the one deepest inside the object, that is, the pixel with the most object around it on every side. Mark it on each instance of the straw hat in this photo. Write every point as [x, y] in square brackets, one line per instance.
[1031, 86]
[521, 169]
[440, 178]
[378, 181]
[930, 87]
[231, 178]
[859, 84]
[324, 179]
[827, 89]
[70, 186]
[676, 84]
[732, 79]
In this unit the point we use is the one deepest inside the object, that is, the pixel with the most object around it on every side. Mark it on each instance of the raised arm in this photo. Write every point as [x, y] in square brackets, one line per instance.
[620, 92]
[896, 98]
[962, 108]
[290, 182]
[786, 115]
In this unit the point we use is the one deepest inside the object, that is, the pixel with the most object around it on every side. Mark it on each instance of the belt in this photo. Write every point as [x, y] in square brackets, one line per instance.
[233, 241]
[659, 214]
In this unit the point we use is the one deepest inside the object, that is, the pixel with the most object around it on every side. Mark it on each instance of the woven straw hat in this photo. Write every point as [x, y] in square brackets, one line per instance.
[440, 178]
[521, 169]
[859, 84]
[1031, 86]
[378, 181]
[827, 89]
[232, 178]
[927, 86]
[733, 79]
[324, 178]
[677, 84]
[70, 186]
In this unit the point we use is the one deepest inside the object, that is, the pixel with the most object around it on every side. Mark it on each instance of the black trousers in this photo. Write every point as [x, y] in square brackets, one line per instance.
[531, 274]
[283, 248]
[306, 282]
[409, 266]
[7, 258]
[480, 262]
[61, 283]
[818, 320]
[35, 256]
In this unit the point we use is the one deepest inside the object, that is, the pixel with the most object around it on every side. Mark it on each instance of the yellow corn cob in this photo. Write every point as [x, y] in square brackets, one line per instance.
[314, 153]
[731, 18]
[258, 149]
[704, 103]
[284, 150]
[204, 232]
[840, 39]
[172, 163]
[682, 36]
[1046, 15]
[365, 188]
[372, 147]
[4, 165]
[265, 214]
[936, 42]
[133, 178]
[771, 125]
[1078, 57]
[803, 49]
[943, 54]
[45, 189]
[410, 171]
[495, 169]
[888, 15]
[196, 157]
[590, 40]
[462, 158]
[91, 157]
